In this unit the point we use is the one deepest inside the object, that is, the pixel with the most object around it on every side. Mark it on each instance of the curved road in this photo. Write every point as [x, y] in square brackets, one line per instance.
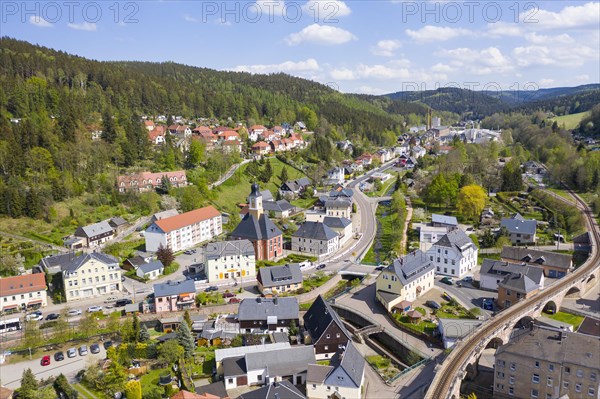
[447, 375]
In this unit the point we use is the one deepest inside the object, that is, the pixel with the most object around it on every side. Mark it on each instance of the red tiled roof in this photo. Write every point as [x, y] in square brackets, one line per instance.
[153, 178]
[257, 127]
[148, 123]
[185, 219]
[191, 395]
[260, 144]
[22, 284]
[228, 133]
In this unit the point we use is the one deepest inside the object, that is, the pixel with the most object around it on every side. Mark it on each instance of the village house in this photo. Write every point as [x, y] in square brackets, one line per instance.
[257, 227]
[315, 238]
[184, 230]
[494, 271]
[293, 188]
[229, 135]
[263, 315]
[335, 176]
[275, 390]
[449, 222]
[344, 377]
[118, 224]
[342, 226]
[555, 265]
[339, 207]
[515, 287]
[149, 125]
[27, 291]
[324, 329]
[405, 279]
[520, 230]
[254, 131]
[233, 146]
[90, 275]
[228, 260]
[95, 234]
[181, 131]
[157, 135]
[147, 181]
[164, 214]
[261, 148]
[454, 254]
[277, 279]
[151, 270]
[278, 209]
[277, 146]
[174, 295]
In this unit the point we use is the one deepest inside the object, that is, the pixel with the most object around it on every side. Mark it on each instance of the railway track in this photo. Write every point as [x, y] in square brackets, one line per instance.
[448, 374]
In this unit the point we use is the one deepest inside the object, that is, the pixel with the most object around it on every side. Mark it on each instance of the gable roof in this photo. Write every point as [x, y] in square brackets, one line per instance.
[254, 229]
[152, 266]
[542, 258]
[93, 230]
[501, 268]
[349, 367]
[319, 316]
[277, 206]
[190, 395]
[410, 267]
[285, 308]
[165, 214]
[456, 239]
[276, 275]
[443, 219]
[517, 224]
[336, 223]
[81, 260]
[338, 203]
[518, 282]
[174, 288]
[282, 362]
[117, 221]
[22, 284]
[186, 219]
[315, 231]
[276, 390]
[56, 261]
[221, 354]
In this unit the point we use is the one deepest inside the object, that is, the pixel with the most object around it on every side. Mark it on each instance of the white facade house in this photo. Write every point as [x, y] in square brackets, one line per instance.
[344, 377]
[339, 207]
[429, 235]
[185, 230]
[151, 270]
[493, 271]
[23, 292]
[342, 226]
[336, 176]
[454, 254]
[91, 275]
[229, 260]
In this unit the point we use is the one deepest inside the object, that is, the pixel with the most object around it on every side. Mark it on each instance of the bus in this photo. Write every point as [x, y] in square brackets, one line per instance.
[8, 325]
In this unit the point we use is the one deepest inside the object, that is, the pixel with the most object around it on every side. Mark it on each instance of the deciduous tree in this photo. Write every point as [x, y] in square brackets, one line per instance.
[471, 201]
[165, 255]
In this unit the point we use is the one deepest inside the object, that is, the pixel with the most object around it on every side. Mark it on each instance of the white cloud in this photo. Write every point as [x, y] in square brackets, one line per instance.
[326, 10]
[86, 26]
[432, 33]
[543, 39]
[562, 55]
[370, 90]
[585, 15]
[584, 78]
[342, 74]
[320, 34]
[444, 68]
[479, 62]
[189, 18]
[500, 29]
[396, 70]
[386, 48]
[546, 82]
[40, 22]
[309, 65]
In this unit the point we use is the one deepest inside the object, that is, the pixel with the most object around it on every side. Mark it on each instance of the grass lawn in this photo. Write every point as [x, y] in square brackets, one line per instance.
[150, 379]
[569, 318]
[425, 327]
[378, 362]
[235, 190]
[385, 239]
[305, 306]
[125, 249]
[303, 203]
[86, 392]
[385, 187]
[315, 281]
[570, 121]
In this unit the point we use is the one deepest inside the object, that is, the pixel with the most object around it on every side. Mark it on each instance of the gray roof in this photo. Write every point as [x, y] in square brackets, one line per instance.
[94, 229]
[165, 214]
[216, 250]
[336, 223]
[338, 203]
[518, 282]
[319, 316]
[456, 239]
[542, 258]
[221, 354]
[253, 229]
[282, 362]
[278, 390]
[517, 224]
[349, 368]
[412, 266]
[317, 373]
[234, 366]
[457, 328]
[260, 308]
[281, 337]
[276, 275]
[117, 221]
[174, 288]
[152, 266]
[344, 192]
[277, 206]
[54, 262]
[79, 261]
[501, 268]
[443, 219]
[573, 349]
[137, 260]
[266, 195]
[315, 231]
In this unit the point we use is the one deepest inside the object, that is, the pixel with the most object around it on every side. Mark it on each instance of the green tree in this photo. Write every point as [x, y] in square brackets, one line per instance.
[62, 387]
[196, 154]
[190, 198]
[511, 177]
[165, 185]
[109, 129]
[133, 390]
[267, 172]
[114, 378]
[186, 340]
[187, 318]
[309, 117]
[144, 334]
[471, 201]
[283, 176]
[165, 255]
[135, 328]
[170, 352]
[88, 325]
[29, 385]
[11, 264]
[293, 329]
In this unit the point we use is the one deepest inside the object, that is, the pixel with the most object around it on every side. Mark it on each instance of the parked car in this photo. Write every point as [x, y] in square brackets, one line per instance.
[93, 309]
[321, 266]
[74, 312]
[111, 299]
[83, 350]
[52, 316]
[188, 252]
[228, 295]
[46, 360]
[446, 296]
[487, 304]
[433, 305]
[95, 348]
[447, 280]
[72, 352]
[380, 268]
[468, 279]
[107, 344]
[37, 315]
[211, 288]
[59, 356]
[123, 302]
[235, 300]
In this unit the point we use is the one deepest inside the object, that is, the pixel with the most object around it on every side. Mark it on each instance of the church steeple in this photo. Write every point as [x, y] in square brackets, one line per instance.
[255, 206]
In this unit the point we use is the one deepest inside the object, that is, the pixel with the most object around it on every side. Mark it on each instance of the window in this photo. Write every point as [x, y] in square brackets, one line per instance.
[328, 336]
[453, 262]
[513, 366]
[230, 380]
[549, 382]
[548, 396]
[593, 376]
[535, 379]
[337, 335]
[577, 387]
[511, 391]
[580, 373]
[566, 384]
[500, 374]
[567, 370]
[534, 393]
[501, 363]
[550, 367]
[511, 380]
[314, 386]
[260, 377]
[591, 391]
[537, 364]
[326, 347]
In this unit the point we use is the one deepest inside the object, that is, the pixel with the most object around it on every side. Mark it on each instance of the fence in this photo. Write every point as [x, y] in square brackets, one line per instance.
[408, 369]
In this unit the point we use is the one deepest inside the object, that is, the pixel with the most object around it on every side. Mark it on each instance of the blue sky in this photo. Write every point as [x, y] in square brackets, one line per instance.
[355, 46]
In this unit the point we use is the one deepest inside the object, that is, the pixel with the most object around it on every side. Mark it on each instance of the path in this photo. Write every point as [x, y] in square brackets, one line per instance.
[560, 247]
[39, 242]
[229, 173]
[409, 211]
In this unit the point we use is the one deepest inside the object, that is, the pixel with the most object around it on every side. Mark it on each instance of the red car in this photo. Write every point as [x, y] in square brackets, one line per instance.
[46, 360]
[228, 295]
[235, 300]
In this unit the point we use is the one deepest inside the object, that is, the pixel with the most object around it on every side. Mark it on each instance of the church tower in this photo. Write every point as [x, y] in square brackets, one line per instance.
[255, 206]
